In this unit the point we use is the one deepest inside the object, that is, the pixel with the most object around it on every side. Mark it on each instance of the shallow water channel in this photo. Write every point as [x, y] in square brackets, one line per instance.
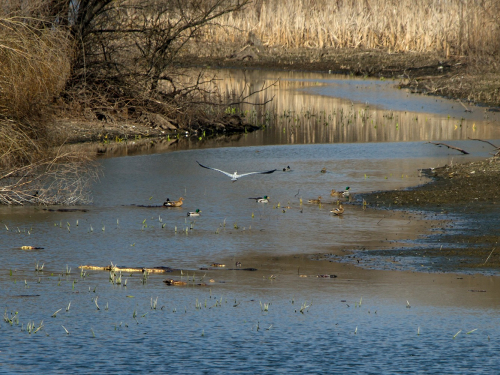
[280, 317]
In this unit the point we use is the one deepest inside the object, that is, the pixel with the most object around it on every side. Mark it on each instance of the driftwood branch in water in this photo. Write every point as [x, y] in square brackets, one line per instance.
[482, 140]
[453, 147]
[463, 105]
[127, 269]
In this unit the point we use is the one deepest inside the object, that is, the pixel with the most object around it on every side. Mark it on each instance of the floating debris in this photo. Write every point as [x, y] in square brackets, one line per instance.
[127, 269]
[242, 269]
[66, 209]
[173, 282]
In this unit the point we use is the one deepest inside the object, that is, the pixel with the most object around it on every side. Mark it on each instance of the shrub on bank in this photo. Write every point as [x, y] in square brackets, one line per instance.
[34, 67]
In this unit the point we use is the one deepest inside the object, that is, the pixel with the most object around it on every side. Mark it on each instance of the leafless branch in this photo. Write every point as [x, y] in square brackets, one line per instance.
[452, 147]
[481, 140]
[62, 179]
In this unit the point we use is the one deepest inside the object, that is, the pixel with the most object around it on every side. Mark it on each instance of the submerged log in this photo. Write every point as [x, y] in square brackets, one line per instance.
[242, 269]
[173, 282]
[127, 269]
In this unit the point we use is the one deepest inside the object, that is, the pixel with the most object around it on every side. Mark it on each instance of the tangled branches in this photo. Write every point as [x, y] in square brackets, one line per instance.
[61, 179]
[113, 59]
[34, 66]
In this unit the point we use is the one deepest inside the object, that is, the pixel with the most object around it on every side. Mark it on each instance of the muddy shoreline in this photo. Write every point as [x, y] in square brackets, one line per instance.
[457, 77]
[469, 195]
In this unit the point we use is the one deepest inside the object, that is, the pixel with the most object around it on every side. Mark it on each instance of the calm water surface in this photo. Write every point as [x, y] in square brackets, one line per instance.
[266, 321]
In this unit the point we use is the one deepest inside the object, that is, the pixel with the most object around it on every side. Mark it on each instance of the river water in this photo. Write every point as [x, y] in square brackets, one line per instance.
[281, 317]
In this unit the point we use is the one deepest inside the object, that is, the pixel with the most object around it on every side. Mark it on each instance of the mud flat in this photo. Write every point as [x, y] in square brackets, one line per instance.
[469, 194]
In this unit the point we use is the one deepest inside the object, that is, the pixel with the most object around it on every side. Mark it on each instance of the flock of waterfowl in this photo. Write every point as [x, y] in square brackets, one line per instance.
[265, 199]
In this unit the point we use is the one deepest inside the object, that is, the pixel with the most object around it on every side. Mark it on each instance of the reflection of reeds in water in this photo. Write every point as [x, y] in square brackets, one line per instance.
[451, 26]
[298, 118]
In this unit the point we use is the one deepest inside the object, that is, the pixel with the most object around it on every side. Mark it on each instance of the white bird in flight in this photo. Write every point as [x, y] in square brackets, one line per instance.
[234, 176]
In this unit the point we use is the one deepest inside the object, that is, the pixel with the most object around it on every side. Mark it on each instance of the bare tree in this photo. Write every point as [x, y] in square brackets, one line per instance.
[34, 66]
[64, 178]
[124, 49]
[132, 44]
[105, 54]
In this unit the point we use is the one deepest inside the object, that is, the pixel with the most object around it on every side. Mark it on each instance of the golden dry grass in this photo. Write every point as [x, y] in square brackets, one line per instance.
[34, 67]
[448, 26]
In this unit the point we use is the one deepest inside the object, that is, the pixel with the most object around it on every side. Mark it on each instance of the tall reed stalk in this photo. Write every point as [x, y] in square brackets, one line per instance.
[450, 26]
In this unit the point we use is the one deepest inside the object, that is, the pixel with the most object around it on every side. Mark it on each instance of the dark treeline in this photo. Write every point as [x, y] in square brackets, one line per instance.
[111, 59]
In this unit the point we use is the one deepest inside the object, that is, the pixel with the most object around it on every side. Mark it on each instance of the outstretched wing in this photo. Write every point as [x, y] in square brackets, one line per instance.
[215, 169]
[246, 174]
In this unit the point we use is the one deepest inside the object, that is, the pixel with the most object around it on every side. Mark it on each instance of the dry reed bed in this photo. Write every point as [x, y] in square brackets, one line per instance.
[34, 66]
[449, 26]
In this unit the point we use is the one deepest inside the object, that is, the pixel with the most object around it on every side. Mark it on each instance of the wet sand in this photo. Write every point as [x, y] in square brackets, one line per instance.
[469, 189]
[348, 283]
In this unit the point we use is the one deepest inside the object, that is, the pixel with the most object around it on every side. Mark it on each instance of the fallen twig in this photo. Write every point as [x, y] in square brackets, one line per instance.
[488, 142]
[453, 147]
[463, 105]
[127, 269]
[488, 256]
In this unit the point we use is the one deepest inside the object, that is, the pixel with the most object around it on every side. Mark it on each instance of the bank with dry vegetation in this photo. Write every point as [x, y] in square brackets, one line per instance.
[451, 27]
[100, 61]
[449, 48]
[34, 67]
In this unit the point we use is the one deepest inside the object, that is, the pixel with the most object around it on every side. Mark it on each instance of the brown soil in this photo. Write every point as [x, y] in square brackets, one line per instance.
[106, 131]
[470, 186]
